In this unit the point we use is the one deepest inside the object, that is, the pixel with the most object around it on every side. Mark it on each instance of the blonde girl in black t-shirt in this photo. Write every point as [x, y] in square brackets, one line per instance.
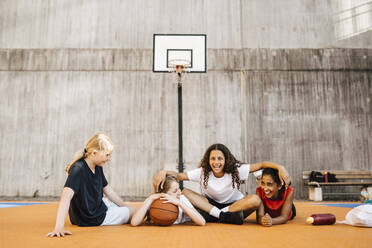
[82, 195]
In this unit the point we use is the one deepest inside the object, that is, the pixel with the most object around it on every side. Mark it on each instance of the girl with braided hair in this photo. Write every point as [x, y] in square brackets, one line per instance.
[219, 175]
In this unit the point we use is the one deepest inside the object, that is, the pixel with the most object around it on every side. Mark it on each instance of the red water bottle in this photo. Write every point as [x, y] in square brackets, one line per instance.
[326, 177]
[321, 219]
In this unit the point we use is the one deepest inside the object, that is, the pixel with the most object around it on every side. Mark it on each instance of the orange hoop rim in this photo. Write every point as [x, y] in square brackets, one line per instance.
[178, 65]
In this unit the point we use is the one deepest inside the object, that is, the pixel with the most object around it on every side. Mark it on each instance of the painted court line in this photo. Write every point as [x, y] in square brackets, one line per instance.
[341, 205]
[18, 204]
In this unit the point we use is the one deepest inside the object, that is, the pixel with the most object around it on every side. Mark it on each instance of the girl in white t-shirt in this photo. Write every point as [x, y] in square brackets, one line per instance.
[219, 175]
[170, 193]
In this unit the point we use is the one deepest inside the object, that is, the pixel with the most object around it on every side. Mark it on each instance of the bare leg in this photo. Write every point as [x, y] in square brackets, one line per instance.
[202, 203]
[198, 200]
[248, 204]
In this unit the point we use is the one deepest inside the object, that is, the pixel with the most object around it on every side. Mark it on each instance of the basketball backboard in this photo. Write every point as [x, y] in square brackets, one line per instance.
[188, 50]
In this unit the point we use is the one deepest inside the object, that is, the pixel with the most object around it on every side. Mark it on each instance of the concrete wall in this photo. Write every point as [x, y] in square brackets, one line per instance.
[228, 24]
[51, 107]
[287, 81]
[301, 108]
[309, 119]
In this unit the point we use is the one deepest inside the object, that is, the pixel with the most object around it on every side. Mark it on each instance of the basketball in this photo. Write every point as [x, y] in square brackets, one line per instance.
[163, 214]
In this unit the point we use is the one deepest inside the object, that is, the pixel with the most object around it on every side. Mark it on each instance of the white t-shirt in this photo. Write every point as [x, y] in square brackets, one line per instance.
[182, 217]
[220, 189]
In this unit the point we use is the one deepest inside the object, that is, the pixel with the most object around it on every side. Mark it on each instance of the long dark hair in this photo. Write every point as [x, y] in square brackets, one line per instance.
[275, 176]
[231, 164]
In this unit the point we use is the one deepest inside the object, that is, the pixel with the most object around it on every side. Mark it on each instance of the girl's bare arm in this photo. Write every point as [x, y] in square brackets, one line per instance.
[283, 173]
[115, 198]
[286, 210]
[139, 216]
[64, 204]
[159, 179]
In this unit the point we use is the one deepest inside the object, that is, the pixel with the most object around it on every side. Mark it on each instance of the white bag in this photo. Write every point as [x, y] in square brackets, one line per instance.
[359, 216]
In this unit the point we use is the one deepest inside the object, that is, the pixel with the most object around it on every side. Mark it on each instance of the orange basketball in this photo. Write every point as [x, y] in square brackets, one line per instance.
[163, 214]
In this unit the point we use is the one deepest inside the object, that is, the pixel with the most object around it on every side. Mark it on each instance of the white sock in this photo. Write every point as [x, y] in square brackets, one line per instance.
[215, 212]
[225, 209]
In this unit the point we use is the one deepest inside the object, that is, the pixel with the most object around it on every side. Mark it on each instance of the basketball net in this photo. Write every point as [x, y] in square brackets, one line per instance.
[179, 66]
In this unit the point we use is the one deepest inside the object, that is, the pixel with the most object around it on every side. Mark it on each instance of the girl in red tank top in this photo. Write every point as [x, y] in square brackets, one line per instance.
[276, 200]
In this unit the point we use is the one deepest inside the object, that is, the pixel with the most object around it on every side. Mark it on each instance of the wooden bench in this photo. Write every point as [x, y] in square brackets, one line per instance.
[345, 178]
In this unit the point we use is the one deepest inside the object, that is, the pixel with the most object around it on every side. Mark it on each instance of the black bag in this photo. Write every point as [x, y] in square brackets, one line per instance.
[332, 178]
[316, 176]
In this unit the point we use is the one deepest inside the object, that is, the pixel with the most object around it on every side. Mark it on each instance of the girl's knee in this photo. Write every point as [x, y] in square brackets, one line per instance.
[254, 201]
[257, 201]
[186, 191]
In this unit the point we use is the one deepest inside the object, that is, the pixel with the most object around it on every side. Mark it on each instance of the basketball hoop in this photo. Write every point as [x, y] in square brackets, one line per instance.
[179, 65]
[179, 53]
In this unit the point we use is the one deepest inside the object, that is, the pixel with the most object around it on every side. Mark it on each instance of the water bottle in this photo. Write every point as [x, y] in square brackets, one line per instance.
[321, 219]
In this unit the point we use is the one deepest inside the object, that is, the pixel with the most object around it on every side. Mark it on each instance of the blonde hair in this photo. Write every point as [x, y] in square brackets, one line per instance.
[98, 142]
[167, 184]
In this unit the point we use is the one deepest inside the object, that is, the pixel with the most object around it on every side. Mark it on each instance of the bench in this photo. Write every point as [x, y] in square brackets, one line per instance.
[345, 178]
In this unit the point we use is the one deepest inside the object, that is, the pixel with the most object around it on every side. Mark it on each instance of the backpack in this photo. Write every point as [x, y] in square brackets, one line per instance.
[316, 176]
[332, 178]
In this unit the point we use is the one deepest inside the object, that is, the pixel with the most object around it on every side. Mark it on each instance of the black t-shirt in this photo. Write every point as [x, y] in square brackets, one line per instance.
[86, 207]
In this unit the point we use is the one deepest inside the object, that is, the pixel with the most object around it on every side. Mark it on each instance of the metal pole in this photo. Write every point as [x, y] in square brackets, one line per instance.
[180, 140]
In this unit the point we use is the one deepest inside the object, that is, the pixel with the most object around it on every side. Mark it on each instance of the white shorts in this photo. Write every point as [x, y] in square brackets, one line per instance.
[115, 215]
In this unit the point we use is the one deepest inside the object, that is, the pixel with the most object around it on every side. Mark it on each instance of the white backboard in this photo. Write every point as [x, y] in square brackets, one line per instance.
[186, 47]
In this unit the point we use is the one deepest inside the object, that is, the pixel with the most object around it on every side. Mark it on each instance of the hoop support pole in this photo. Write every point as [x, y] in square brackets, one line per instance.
[180, 139]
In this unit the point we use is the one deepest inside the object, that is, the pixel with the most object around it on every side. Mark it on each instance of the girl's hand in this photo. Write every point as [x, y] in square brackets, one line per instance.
[170, 199]
[156, 196]
[159, 180]
[58, 233]
[266, 220]
[284, 176]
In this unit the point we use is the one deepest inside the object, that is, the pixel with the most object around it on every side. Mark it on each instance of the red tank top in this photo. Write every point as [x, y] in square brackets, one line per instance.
[274, 207]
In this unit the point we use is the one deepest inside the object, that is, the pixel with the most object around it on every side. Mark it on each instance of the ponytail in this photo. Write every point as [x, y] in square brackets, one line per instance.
[78, 155]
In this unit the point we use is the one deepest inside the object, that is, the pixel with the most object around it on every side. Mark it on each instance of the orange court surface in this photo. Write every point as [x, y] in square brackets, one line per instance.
[25, 225]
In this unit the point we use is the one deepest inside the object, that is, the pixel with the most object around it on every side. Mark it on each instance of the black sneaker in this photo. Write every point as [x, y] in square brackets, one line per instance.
[235, 218]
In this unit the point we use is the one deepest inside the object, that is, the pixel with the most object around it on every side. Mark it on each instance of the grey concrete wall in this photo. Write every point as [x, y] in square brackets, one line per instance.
[310, 121]
[52, 101]
[47, 116]
[303, 108]
[71, 68]
[228, 24]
